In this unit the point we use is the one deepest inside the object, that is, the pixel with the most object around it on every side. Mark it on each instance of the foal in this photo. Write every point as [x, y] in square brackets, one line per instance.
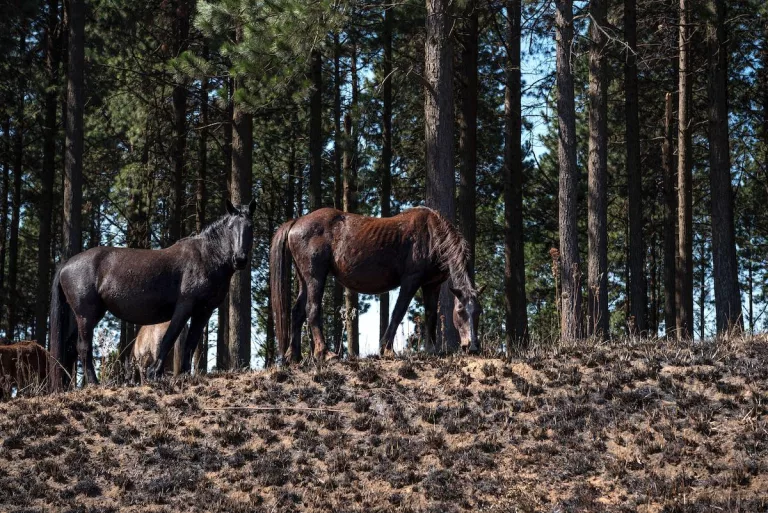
[146, 348]
[21, 364]
[186, 281]
[416, 249]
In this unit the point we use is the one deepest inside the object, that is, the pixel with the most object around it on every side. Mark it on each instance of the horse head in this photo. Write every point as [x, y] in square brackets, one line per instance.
[240, 224]
[466, 317]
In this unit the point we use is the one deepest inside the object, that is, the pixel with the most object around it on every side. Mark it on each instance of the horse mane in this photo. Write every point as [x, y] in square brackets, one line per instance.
[451, 250]
[215, 236]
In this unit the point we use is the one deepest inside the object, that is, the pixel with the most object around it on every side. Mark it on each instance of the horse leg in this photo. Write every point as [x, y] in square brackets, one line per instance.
[315, 287]
[85, 326]
[179, 319]
[431, 297]
[196, 327]
[407, 290]
[298, 316]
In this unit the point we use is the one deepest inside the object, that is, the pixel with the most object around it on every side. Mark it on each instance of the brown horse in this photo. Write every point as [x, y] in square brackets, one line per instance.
[146, 348]
[22, 364]
[188, 280]
[416, 249]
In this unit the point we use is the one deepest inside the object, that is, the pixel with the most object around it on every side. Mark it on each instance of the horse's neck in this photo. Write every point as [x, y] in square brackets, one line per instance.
[215, 256]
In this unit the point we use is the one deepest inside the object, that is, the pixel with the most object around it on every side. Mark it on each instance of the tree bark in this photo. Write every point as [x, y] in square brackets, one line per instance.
[222, 334]
[4, 209]
[351, 302]
[338, 137]
[597, 204]
[201, 200]
[684, 282]
[315, 132]
[48, 172]
[18, 157]
[240, 285]
[73, 157]
[386, 149]
[181, 35]
[270, 342]
[725, 262]
[570, 265]
[637, 288]
[438, 129]
[702, 290]
[514, 249]
[670, 205]
[467, 200]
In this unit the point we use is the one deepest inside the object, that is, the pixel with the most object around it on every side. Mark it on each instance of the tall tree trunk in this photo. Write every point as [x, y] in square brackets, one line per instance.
[466, 209]
[4, 208]
[47, 173]
[653, 313]
[201, 200]
[315, 132]
[351, 301]
[725, 262]
[290, 197]
[18, 157]
[750, 274]
[270, 342]
[438, 129]
[570, 272]
[637, 290]
[670, 205]
[222, 334]
[514, 249]
[73, 156]
[338, 289]
[684, 283]
[703, 290]
[386, 149]
[181, 33]
[597, 203]
[181, 36]
[240, 285]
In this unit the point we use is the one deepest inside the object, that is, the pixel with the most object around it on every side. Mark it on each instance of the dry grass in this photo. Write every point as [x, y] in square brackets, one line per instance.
[637, 426]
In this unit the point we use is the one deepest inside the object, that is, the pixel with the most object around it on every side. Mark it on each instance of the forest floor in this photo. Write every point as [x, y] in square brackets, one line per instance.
[632, 426]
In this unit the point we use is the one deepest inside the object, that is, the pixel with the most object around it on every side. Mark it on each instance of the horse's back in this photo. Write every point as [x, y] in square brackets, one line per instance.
[99, 278]
[367, 254]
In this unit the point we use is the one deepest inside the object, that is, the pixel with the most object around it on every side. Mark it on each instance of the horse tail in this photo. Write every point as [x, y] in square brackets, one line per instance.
[61, 314]
[279, 284]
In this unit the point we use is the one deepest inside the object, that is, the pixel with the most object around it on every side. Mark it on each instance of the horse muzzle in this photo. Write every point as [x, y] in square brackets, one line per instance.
[240, 263]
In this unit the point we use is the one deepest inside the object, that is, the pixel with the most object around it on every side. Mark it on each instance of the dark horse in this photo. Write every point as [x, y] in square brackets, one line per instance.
[418, 248]
[141, 286]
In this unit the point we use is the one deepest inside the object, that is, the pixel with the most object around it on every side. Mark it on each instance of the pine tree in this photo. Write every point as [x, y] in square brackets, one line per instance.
[570, 265]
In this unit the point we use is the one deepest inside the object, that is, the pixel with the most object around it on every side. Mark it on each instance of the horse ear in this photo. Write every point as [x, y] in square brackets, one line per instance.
[231, 210]
[481, 289]
[457, 293]
[251, 207]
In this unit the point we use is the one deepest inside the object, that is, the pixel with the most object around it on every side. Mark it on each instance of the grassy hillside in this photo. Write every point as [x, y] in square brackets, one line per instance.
[636, 426]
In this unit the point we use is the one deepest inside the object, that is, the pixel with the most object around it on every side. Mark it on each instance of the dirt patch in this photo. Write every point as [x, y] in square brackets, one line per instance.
[636, 426]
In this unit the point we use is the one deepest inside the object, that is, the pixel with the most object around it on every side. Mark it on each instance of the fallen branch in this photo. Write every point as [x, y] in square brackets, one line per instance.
[273, 408]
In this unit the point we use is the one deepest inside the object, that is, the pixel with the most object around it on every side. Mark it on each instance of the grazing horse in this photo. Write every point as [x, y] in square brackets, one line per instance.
[186, 281]
[146, 348]
[418, 248]
[22, 364]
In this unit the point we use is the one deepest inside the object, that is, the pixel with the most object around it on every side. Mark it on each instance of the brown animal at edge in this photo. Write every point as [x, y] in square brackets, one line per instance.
[22, 364]
[146, 348]
[415, 249]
